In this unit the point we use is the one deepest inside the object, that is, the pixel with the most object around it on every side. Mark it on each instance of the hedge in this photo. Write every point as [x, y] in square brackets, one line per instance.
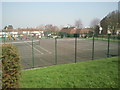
[10, 66]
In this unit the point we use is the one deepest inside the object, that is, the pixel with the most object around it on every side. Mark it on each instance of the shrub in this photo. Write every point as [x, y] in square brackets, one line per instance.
[10, 66]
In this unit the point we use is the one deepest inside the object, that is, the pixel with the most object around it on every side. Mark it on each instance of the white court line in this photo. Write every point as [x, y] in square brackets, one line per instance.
[45, 49]
[69, 39]
[40, 47]
[31, 41]
[35, 49]
[15, 42]
[23, 41]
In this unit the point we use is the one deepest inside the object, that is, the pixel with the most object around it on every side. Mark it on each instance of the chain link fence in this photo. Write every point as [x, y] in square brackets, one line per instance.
[51, 51]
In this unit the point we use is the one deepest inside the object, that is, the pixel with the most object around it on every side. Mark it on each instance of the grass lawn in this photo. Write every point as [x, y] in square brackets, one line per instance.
[100, 73]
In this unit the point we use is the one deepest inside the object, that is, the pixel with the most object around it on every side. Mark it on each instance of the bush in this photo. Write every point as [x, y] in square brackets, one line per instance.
[10, 66]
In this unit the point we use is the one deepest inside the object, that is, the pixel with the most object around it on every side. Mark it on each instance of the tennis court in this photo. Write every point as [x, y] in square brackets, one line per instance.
[43, 51]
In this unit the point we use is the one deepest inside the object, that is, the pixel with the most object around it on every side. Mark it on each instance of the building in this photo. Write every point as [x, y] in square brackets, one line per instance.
[21, 33]
[86, 31]
[67, 32]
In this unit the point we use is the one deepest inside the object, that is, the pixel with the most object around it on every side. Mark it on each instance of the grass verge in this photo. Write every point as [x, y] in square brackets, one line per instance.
[100, 73]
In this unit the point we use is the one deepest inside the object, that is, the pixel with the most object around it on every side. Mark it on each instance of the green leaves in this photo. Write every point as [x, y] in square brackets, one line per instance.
[10, 66]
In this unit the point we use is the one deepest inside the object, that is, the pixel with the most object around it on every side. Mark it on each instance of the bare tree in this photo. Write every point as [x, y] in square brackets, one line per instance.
[60, 27]
[95, 22]
[95, 25]
[111, 22]
[78, 24]
[51, 29]
[41, 27]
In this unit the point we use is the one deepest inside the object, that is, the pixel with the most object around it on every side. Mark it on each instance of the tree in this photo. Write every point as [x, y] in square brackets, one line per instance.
[78, 24]
[5, 27]
[41, 27]
[111, 22]
[95, 25]
[50, 29]
[95, 22]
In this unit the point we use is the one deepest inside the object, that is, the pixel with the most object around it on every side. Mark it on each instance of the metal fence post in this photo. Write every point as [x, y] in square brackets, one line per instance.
[75, 49]
[4, 38]
[108, 50]
[55, 50]
[32, 53]
[102, 36]
[93, 48]
[39, 41]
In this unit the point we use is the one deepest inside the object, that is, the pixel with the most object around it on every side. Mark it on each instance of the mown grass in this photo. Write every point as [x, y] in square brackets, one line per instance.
[101, 73]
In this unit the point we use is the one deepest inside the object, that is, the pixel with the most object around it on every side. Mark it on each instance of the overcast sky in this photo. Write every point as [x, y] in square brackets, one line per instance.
[31, 14]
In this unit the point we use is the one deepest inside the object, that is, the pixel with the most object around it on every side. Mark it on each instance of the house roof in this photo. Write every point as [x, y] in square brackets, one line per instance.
[75, 30]
[24, 29]
[28, 29]
[86, 30]
[71, 30]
